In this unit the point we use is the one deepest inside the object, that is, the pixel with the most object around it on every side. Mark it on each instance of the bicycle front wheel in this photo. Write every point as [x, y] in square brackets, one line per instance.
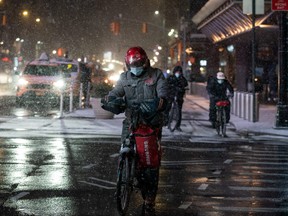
[173, 117]
[124, 186]
[218, 121]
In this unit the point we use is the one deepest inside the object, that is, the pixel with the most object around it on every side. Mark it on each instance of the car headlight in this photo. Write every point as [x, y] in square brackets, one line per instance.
[114, 77]
[22, 82]
[59, 84]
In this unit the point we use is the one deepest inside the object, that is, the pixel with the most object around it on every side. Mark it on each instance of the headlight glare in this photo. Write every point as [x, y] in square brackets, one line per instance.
[22, 82]
[59, 84]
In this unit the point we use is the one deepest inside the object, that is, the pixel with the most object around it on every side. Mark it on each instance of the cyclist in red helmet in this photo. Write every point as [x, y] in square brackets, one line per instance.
[144, 85]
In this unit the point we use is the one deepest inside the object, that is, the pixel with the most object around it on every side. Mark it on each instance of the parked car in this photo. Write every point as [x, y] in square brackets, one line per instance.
[44, 79]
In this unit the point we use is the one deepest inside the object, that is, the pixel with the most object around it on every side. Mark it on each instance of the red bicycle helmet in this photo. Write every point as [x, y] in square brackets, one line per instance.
[136, 56]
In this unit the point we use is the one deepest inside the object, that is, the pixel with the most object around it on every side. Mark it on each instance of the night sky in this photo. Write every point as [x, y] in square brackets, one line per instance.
[83, 26]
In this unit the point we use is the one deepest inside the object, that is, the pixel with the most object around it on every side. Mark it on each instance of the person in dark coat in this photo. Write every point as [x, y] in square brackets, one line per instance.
[217, 90]
[144, 85]
[177, 87]
[85, 80]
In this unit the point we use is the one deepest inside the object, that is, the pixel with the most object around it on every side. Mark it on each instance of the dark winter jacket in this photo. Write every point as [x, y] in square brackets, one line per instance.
[219, 91]
[177, 86]
[149, 86]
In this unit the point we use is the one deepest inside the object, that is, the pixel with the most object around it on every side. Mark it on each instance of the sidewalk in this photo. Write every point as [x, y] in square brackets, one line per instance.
[81, 123]
[265, 125]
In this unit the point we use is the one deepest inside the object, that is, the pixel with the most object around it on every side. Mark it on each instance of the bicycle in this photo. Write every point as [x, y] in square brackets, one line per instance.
[173, 115]
[220, 123]
[129, 166]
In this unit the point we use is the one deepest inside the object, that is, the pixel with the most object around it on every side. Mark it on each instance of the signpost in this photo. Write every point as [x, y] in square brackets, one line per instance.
[282, 106]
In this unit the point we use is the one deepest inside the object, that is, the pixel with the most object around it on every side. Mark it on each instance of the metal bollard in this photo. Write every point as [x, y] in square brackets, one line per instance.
[80, 95]
[242, 105]
[71, 98]
[257, 106]
[246, 107]
[61, 104]
[233, 104]
[250, 116]
[238, 110]
[88, 95]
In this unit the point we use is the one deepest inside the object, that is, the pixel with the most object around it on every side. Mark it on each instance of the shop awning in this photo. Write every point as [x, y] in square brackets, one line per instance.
[226, 20]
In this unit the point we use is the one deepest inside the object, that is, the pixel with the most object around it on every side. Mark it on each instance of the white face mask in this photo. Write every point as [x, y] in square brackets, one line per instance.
[177, 75]
[220, 81]
[137, 71]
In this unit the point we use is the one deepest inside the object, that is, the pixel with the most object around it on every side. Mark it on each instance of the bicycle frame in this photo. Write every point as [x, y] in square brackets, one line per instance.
[173, 115]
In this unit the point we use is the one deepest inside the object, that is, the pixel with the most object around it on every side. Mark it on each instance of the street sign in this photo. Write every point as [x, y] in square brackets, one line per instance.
[279, 5]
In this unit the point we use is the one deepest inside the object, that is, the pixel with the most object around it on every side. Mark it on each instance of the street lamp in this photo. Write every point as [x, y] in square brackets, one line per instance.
[164, 40]
[25, 13]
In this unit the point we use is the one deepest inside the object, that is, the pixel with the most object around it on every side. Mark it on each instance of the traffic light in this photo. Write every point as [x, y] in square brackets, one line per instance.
[4, 20]
[112, 27]
[144, 27]
[115, 27]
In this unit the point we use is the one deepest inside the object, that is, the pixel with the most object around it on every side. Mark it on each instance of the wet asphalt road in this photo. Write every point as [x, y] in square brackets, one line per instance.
[59, 176]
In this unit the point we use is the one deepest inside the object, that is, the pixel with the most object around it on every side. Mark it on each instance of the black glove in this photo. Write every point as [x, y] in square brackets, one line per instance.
[113, 104]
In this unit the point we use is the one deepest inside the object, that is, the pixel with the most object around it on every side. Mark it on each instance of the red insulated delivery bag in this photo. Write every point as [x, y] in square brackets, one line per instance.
[148, 148]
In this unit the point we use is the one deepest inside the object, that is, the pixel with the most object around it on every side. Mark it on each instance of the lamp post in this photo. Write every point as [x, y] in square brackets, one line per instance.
[253, 62]
[183, 27]
[164, 41]
[282, 107]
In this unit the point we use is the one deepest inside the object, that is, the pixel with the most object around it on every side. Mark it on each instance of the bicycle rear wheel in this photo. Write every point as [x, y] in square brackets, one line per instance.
[124, 186]
[173, 117]
[223, 125]
[218, 121]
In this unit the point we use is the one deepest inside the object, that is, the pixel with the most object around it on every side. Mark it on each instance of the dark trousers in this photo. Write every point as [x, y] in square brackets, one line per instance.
[179, 102]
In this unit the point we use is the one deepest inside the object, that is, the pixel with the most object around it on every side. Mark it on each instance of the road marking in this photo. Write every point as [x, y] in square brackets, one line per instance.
[98, 185]
[217, 172]
[195, 149]
[19, 196]
[203, 187]
[114, 155]
[257, 189]
[264, 168]
[267, 163]
[259, 180]
[101, 180]
[275, 200]
[228, 161]
[263, 174]
[185, 205]
[249, 209]
[192, 162]
[88, 166]
[267, 156]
